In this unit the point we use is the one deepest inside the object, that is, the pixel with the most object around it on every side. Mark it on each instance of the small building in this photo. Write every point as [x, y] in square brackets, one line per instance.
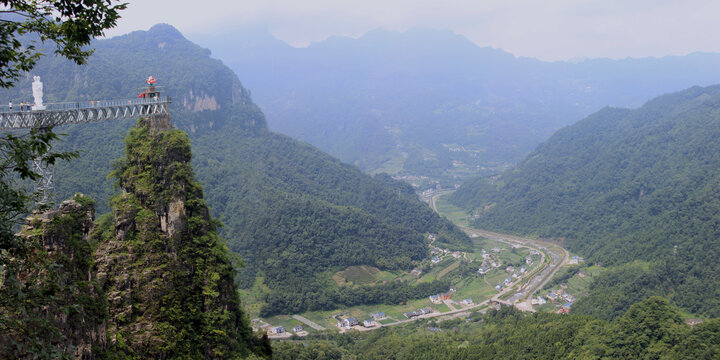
[277, 330]
[369, 323]
[499, 287]
[349, 322]
[452, 289]
[467, 301]
[435, 299]
[456, 254]
[380, 315]
[445, 296]
[434, 329]
[538, 301]
[298, 329]
[523, 270]
[426, 310]
[528, 260]
[510, 269]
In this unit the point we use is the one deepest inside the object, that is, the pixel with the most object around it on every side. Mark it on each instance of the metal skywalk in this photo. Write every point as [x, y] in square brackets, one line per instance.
[43, 116]
[82, 112]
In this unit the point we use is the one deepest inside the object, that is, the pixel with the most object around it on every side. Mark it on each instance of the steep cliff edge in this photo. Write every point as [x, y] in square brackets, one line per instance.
[152, 280]
[167, 276]
[64, 311]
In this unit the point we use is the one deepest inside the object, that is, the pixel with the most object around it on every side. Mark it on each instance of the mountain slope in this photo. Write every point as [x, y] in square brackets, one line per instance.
[414, 102]
[625, 185]
[318, 213]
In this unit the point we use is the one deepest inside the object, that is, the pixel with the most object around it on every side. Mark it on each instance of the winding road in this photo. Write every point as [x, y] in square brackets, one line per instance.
[556, 255]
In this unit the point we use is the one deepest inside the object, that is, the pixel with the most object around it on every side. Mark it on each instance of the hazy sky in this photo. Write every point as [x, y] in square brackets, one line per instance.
[548, 29]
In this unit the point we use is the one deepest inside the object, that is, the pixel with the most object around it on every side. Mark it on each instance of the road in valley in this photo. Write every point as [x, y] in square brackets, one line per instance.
[518, 293]
[555, 254]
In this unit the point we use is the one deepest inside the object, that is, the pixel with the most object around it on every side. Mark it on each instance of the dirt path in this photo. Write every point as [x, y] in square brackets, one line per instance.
[308, 322]
[448, 269]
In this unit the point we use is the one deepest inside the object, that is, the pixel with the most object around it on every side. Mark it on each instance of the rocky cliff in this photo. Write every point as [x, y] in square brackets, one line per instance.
[67, 307]
[167, 276]
[152, 280]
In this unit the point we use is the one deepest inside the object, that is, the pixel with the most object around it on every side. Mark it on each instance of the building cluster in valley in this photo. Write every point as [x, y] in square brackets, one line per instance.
[277, 332]
[490, 261]
[559, 297]
[438, 255]
[347, 323]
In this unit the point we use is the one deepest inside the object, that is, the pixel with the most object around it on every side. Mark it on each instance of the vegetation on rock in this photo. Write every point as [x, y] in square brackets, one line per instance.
[168, 276]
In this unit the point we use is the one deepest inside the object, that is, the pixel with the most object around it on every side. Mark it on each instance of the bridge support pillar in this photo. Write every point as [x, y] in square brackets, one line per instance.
[44, 186]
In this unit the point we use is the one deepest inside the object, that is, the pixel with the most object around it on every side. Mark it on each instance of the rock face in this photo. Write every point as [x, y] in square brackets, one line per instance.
[76, 307]
[167, 276]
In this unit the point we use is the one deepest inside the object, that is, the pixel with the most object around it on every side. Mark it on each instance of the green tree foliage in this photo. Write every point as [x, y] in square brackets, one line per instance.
[650, 329]
[624, 185]
[304, 295]
[70, 26]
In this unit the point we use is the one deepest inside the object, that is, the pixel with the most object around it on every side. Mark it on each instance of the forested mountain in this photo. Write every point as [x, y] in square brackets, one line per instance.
[414, 102]
[623, 186]
[291, 211]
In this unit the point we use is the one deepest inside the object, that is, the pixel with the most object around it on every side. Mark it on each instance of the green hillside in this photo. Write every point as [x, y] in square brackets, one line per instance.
[648, 330]
[292, 212]
[620, 186]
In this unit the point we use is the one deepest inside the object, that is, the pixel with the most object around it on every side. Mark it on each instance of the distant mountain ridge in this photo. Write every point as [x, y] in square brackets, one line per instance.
[402, 102]
[620, 186]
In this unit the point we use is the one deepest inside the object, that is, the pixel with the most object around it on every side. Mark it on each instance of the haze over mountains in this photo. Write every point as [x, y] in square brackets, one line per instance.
[428, 101]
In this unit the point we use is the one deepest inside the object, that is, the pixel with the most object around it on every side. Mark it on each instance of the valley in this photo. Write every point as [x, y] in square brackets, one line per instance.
[498, 270]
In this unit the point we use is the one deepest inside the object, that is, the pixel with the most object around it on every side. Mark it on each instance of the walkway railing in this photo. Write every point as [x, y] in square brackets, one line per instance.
[81, 112]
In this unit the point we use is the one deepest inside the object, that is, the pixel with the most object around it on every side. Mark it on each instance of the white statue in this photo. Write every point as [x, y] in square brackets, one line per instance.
[37, 88]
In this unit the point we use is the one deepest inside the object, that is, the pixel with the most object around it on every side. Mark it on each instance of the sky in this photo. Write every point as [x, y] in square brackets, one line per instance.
[548, 29]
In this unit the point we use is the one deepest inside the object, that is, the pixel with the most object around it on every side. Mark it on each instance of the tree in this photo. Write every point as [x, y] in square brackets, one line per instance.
[70, 26]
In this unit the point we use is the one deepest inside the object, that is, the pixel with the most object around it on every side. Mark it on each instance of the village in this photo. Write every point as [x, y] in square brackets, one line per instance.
[492, 271]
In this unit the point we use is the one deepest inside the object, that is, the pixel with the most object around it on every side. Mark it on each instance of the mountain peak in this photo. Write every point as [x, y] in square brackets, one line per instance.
[165, 30]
